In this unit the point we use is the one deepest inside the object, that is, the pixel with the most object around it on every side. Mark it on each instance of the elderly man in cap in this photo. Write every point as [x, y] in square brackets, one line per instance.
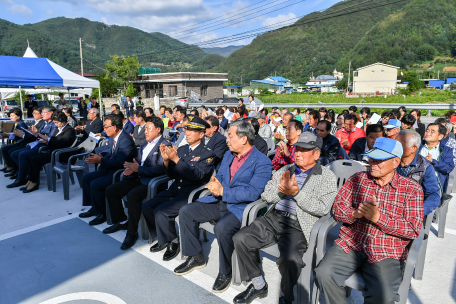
[392, 128]
[381, 212]
[265, 130]
[242, 176]
[297, 201]
[30, 104]
[190, 166]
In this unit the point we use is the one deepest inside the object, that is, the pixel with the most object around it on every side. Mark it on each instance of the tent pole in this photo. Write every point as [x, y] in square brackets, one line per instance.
[99, 98]
[22, 104]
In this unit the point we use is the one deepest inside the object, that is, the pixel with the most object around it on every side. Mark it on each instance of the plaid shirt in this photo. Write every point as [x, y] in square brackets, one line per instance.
[400, 203]
[280, 160]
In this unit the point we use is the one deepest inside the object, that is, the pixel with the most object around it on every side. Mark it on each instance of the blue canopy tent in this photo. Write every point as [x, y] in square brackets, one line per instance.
[40, 73]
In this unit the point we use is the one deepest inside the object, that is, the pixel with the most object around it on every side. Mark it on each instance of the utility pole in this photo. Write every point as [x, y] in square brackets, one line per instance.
[80, 52]
[348, 83]
[241, 81]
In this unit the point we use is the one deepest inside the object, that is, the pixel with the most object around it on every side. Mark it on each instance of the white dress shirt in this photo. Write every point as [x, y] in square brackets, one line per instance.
[150, 146]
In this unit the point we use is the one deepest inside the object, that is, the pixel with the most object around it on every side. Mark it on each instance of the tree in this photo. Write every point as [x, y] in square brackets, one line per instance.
[453, 48]
[426, 52]
[123, 68]
[453, 86]
[18, 97]
[342, 84]
[108, 85]
[131, 91]
[414, 83]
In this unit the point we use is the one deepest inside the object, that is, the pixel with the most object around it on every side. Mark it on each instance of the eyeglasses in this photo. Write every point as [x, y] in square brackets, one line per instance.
[107, 127]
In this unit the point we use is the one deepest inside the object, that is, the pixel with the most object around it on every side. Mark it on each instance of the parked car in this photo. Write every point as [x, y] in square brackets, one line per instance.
[74, 103]
[8, 104]
[42, 103]
[183, 102]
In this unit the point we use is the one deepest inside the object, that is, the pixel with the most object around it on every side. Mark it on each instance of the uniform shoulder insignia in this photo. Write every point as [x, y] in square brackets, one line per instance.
[209, 160]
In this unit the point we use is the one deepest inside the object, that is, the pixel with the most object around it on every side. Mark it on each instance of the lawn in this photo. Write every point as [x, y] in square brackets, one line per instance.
[427, 96]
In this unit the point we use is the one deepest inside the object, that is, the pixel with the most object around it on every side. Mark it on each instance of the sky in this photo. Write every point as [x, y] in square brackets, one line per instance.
[191, 21]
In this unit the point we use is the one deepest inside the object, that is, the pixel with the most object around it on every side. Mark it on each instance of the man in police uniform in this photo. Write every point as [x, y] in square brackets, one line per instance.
[190, 166]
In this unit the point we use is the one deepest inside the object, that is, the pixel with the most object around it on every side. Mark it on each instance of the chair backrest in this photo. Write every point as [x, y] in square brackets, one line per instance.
[343, 169]
[342, 154]
[270, 143]
[88, 145]
[75, 142]
[104, 142]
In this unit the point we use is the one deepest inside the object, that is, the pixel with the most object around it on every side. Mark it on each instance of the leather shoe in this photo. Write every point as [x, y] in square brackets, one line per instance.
[88, 213]
[283, 301]
[129, 241]
[250, 294]
[4, 169]
[34, 188]
[192, 263]
[222, 283]
[10, 173]
[100, 219]
[17, 183]
[15, 176]
[115, 228]
[22, 188]
[172, 251]
[157, 248]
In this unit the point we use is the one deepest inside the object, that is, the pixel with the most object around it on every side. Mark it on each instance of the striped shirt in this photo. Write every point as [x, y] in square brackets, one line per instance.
[288, 203]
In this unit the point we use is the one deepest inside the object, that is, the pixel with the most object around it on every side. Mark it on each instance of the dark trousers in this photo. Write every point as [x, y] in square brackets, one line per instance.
[129, 112]
[35, 163]
[135, 192]
[265, 231]
[382, 278]
[160, 212]
[20, 158]
[190, 216]
[94, 185]
[6, 152]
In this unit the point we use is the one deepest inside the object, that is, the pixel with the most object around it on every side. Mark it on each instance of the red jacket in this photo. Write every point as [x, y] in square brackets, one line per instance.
[342, 135]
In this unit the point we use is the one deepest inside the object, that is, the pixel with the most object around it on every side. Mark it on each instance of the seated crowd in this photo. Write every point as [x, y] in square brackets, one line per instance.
[229, 154]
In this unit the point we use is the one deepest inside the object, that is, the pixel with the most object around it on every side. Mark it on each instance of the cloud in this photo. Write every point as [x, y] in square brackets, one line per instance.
[50, 12]
[20, 9]
[278, 19]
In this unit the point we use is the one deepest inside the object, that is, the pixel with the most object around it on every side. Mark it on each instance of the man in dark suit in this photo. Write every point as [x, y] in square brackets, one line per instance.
[129, 106]
[364, 144]
[223, 122]
[63, 137]
[138, 133]
[215, 141]
[94, 126]
[190, 166]
[147, 165]
[33, 138]
[121, 148]
[241, 179]
[126, 125]
[38, 121]
[30, 104]
[18, 124]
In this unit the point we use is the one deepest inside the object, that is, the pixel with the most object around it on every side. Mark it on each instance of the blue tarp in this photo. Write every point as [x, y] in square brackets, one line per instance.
[39, 73]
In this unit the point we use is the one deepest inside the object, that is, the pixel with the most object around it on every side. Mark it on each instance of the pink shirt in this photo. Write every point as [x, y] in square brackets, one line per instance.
[238, 162]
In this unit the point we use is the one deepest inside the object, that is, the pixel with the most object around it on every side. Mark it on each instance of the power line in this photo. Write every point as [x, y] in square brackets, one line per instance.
[95, 65]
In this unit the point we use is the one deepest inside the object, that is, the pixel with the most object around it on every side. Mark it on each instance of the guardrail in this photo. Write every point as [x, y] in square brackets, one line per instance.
[421, 106]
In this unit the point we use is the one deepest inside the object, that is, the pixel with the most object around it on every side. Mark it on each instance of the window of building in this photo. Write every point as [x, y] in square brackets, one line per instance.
[203, 90]
[382, 71]
[373, 71]
[74, 94]
[172, 91]
[355, 74]
[232, 91]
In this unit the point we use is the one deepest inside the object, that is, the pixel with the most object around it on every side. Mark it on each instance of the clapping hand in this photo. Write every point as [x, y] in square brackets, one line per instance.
[130, 167]
[163, 152]
[429, 157]
[172, 154]
[34, 130]
[215, 187]
[288, 185]
[283, 149]
[368, 210]
[94, 158]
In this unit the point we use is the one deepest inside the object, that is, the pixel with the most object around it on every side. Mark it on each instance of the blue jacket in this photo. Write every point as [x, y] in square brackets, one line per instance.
[124, 151]
[153, 165]
[47, 129]
[247, 185]
[443, 165]
[128, 127]
[125, 105]
[330, 150]
[224, 123]
[424, 174]
[21, 125]
[217, 143]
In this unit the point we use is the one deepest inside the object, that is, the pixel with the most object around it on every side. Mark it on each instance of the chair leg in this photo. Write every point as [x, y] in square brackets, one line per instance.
[236, 274]
[54, 181]
[143, 228]
[442, 220]
[79, 175]
[108, 213]
[419, 266]
[66, 185]
[71, 177]
[205, 235]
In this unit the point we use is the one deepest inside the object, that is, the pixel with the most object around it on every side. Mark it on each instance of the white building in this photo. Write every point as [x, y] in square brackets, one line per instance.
[377, 78]
[322, 81]
[338, 75]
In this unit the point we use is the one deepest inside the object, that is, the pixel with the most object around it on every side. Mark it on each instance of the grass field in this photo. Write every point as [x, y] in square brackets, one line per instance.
[427, 96]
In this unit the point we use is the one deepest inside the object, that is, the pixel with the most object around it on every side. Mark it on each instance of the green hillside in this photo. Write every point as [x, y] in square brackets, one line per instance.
[223, 51]
[400, 33]
[58, 40]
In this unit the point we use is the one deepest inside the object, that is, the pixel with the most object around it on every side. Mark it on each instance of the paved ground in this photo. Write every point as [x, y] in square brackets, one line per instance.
[48, 255]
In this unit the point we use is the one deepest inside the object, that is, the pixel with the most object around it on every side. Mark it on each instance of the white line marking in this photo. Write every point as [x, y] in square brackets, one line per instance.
[36, 227]
[92, 295]
[197, 277]
[447, 230]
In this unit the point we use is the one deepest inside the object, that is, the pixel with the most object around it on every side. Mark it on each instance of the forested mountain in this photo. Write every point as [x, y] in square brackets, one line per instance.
[399, 33]
[223, 51]
[58, 40]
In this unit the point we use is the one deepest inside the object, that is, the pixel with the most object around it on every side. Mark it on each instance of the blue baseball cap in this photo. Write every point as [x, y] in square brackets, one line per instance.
[385, 148]
[393, 123]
